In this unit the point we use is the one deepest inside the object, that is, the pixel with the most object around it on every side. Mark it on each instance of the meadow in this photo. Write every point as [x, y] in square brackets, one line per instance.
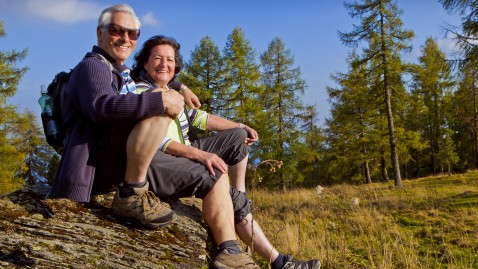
[428, 223]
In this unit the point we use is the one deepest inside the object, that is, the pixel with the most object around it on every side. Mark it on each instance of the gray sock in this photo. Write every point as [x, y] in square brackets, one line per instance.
[126, 190]
[232, 246]
[279, 262]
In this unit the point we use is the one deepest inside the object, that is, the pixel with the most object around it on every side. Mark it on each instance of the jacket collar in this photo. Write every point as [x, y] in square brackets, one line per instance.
[119, 67]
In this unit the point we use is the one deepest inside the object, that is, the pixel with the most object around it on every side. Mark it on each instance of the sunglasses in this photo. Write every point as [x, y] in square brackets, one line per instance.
[116, 30]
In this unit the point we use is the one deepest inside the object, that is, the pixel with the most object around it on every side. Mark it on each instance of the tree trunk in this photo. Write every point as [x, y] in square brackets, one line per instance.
[383, 167]
[391, 129]
[366, 172]
[365, 166]
[475, 130]
[388, 106]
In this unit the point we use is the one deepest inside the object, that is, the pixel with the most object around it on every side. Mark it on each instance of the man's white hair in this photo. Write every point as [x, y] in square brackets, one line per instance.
[105, 16]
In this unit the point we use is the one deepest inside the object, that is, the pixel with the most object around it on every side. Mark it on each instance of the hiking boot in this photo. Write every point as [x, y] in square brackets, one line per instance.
[298, 264]
[144, 207]
[225, 260]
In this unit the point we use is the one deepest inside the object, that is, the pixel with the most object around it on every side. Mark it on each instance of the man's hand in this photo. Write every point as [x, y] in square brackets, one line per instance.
[173, 103]
[190, 98]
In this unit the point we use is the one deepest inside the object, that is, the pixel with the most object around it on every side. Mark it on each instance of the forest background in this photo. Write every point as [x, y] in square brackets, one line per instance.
[389, 119]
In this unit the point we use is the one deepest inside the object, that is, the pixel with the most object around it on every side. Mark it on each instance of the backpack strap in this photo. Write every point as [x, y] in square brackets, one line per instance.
[105, 61]
[110, 66]
[192, 136]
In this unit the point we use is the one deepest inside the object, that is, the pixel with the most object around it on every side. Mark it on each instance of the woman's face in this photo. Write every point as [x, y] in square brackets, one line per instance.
[161, 64]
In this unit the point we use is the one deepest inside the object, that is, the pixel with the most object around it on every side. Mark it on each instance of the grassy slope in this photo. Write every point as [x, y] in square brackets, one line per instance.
[428, 223]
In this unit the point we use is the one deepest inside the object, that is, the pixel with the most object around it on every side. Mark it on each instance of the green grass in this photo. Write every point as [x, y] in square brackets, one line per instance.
[428, 223]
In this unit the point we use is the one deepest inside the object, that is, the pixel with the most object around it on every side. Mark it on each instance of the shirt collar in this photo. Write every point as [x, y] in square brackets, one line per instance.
[147, 78]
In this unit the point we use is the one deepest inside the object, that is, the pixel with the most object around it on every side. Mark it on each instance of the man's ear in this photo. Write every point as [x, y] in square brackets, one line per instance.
[99, 31]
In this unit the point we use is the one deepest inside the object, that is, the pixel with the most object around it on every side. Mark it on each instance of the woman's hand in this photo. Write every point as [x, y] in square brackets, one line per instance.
[252, 135]
[211, 161]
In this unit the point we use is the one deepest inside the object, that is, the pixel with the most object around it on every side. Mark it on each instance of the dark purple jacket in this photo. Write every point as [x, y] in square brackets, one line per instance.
[90, 103]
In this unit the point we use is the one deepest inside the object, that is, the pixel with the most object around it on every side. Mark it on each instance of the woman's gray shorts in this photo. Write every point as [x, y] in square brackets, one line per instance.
[172, 177]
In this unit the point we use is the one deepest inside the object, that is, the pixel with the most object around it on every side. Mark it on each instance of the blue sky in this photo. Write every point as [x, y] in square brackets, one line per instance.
[57, 34]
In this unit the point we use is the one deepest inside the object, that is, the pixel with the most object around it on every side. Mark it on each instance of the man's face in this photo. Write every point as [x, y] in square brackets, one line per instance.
[118, 43]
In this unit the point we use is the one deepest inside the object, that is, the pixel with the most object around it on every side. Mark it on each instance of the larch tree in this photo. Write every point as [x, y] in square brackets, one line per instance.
[204, 74]
[466, 34]
[52, 167]
[11, 158]
[354, 128]
[464, 117]
[242, 86]
[311, 148]
[27, 137]
[283, 109]
[465, 99]
[380, 29]
[416, 109]
[432, 84]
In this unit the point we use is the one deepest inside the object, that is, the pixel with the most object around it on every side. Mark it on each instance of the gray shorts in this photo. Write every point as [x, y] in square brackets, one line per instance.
[172, 177]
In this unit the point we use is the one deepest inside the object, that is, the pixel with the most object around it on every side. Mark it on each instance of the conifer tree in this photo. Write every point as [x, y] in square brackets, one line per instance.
[242, 79]
[432, 83]
[311, 148]
[354, 130]
[10, 75]
[283, 108]
[465, 99]
[414, 118]
[28, 138]
[381, 30]
[467, 32]
[52, 168]
[464, 117]
[204, 74]
[11, 158]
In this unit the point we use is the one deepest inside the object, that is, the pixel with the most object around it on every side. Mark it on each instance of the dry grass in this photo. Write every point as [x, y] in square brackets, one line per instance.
[428, 223]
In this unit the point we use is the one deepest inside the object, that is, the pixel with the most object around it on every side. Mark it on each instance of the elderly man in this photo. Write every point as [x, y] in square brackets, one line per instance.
[113, 138]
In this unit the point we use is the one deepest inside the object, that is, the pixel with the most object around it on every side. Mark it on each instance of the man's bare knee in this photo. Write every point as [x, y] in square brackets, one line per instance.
[157, 120]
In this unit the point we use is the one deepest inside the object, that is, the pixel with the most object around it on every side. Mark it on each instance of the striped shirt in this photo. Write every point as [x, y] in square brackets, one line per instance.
[178, 128]
[129, 85]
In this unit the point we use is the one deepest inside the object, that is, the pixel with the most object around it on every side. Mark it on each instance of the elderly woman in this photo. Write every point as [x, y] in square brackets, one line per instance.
[205, 160]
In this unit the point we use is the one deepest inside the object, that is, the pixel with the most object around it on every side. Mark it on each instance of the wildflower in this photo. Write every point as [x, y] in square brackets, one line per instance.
[355, 201]
[319, 190]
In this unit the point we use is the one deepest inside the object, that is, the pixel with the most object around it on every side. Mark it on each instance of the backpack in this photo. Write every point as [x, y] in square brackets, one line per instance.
[55, 89]
[52, 124]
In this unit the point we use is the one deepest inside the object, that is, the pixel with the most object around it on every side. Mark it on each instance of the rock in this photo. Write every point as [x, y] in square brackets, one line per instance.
[59, 233]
